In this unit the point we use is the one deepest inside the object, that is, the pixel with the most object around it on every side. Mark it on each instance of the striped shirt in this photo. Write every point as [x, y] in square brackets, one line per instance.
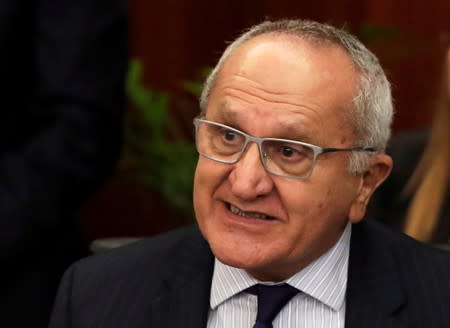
[321, 302]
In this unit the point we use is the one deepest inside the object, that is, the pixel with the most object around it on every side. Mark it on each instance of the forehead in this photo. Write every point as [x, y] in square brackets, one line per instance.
[288, 64]
[273, 78]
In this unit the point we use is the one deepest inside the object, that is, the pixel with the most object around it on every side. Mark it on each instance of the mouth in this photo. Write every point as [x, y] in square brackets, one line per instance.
[250, 215]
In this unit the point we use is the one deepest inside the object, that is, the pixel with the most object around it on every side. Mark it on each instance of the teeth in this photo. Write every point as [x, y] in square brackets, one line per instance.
[254, 215]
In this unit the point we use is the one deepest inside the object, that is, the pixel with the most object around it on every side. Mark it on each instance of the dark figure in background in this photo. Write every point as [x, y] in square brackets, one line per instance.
[416, 196]
[294, 121]
[62, 64]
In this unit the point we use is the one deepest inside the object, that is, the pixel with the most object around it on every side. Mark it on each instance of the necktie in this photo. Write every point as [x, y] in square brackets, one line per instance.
[271, 299]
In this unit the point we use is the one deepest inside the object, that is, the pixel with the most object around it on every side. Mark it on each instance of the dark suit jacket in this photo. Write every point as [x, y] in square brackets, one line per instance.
[62, 67]
[165, 282]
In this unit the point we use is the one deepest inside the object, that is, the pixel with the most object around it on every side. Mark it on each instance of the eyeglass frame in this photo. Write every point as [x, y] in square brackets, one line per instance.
[317, 150]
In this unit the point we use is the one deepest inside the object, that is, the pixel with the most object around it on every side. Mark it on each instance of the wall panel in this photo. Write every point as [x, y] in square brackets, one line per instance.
[175, 38]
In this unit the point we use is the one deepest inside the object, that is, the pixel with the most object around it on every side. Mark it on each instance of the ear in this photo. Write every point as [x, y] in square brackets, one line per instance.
[379, 170]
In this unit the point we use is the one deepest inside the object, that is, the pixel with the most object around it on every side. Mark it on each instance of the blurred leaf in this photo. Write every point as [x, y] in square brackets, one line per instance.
[150, 106]
[376, 33]
[195, 87]
[164, 166]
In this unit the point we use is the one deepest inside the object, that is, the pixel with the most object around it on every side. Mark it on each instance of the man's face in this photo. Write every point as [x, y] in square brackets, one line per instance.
[283, 88]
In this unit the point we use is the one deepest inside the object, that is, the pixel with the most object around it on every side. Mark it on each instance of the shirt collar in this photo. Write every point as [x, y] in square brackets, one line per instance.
[325, 279]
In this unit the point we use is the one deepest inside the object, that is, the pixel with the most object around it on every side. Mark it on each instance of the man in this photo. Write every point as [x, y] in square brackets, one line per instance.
[294, 120]
[63, 65]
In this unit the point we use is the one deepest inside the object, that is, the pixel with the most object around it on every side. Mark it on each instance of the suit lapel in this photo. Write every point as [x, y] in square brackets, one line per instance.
[374, 291]
[185, 302]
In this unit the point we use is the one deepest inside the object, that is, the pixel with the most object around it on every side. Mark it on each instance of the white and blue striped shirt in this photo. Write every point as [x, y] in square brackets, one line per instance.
[321, 302]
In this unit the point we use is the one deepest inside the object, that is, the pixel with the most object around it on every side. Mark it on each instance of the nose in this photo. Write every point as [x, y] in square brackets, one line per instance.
[248, 178]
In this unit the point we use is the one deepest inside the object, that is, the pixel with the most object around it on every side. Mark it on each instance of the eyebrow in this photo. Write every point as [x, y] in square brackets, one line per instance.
[294, 132]
[227, 113]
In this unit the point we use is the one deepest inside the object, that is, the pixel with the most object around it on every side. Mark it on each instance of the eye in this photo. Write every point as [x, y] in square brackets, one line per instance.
[229, 135]
[287, 151]
[290, 151]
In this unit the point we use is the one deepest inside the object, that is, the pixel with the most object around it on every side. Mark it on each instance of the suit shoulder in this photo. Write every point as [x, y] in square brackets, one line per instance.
[123, 284]
[158, 253]
[409, 253]
[390, 272]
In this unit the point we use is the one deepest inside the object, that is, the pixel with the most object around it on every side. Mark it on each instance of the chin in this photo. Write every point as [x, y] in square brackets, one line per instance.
[234, 252]
[257, 268]
[232, 261]
[235, 247]
[239, 262]
[225, 246]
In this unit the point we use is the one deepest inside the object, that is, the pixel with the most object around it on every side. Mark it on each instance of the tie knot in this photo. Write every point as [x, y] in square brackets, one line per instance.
[271, 299]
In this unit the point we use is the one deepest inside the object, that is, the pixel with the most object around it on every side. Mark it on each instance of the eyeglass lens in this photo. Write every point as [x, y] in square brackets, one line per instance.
[227, 145]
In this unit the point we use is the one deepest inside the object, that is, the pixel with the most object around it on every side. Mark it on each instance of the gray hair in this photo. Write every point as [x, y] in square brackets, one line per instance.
[372, 111]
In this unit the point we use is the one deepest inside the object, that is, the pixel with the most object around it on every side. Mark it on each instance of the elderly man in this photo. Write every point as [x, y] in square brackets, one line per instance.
[294, 121]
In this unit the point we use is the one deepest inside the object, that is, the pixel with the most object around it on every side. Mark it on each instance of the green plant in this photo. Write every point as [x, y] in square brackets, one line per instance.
[155, 154]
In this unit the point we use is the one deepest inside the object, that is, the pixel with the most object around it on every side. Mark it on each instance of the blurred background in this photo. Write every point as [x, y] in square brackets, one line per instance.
[173, 44]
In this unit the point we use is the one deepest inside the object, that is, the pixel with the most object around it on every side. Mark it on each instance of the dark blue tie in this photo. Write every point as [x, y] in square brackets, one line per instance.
[271, 299]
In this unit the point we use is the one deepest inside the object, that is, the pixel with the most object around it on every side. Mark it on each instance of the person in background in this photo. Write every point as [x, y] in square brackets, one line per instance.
[62, 64]
[294, 121]
[416, 197]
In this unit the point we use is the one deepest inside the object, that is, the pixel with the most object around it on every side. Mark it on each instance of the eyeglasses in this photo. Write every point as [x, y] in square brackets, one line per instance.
[281, 157]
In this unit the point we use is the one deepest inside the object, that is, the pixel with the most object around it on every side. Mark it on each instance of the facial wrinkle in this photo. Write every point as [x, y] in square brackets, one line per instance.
[249, 97]
[267, 95]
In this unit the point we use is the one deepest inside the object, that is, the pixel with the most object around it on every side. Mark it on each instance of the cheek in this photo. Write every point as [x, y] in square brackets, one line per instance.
[307, 202]
[317, 217]
[208, 177]
[304, 195]
[200, 188]
[321, 202]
